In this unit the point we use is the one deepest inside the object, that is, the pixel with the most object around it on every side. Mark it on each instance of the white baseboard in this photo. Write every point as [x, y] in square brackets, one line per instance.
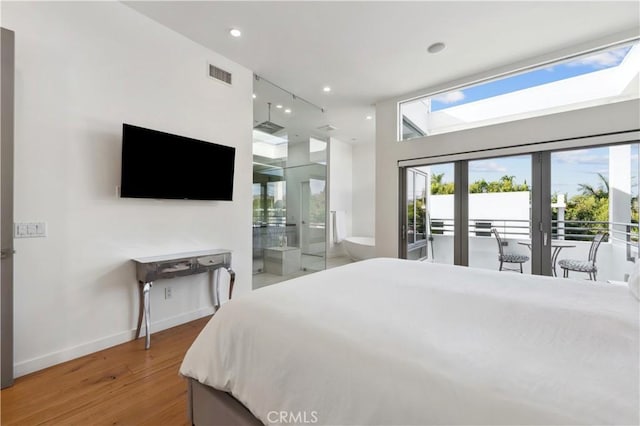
[48, 360]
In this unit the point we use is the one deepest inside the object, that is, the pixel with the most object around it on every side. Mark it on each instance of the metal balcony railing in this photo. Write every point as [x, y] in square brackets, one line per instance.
[576, 230]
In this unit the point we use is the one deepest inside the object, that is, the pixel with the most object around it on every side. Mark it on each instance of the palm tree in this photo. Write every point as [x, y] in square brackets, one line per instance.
[601, 192]
[436, 183]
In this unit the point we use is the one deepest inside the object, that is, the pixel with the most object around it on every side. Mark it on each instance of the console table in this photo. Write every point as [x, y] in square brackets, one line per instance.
[149, 269]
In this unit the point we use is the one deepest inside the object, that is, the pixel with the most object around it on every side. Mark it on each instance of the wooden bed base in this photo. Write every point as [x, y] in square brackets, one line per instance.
[210, 407]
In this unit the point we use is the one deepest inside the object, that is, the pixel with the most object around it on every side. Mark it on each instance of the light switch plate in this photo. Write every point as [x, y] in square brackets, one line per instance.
[30, 230]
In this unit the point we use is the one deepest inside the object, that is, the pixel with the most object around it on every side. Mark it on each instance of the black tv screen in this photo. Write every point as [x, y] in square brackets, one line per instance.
[161, 165]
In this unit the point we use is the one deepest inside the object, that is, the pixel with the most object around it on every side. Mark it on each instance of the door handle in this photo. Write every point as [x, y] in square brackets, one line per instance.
[6, 253]
[544, 234]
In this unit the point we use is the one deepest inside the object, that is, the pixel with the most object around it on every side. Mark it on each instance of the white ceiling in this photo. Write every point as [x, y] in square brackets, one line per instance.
[370, 51]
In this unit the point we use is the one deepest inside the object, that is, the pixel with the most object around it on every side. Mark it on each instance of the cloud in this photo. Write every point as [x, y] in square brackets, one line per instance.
[449, 98]
[601, 60]
[581, 156]
[486, 166]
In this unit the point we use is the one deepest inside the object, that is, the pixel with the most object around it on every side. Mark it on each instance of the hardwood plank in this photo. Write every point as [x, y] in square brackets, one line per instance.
[124, 385]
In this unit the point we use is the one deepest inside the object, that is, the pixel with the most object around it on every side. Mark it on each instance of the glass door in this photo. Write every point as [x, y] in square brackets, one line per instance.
[312, 224]
[499, 213]
[440, 212]
[565, 213]
[416, 228]
[428, 219]
[289, 186]
[594, 212]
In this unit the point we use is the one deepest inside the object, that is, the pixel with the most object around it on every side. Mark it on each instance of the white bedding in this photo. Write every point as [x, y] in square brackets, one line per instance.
[396, 342]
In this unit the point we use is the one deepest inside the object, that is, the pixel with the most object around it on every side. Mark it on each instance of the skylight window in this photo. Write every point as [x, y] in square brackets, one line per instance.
[606, 76]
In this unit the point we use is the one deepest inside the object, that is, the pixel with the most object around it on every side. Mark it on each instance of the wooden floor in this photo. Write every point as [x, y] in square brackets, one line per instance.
[123, 385]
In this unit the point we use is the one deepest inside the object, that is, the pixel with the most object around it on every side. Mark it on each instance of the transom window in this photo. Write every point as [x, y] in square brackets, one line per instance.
[600, 77]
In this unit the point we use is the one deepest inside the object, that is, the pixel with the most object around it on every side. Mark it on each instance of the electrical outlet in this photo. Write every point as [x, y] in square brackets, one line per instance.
[167, 292]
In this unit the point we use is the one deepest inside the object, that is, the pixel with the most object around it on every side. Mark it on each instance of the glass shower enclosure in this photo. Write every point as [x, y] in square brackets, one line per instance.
[289, 186]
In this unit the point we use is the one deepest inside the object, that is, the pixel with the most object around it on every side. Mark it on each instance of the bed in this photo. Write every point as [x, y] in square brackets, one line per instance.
[396, 342]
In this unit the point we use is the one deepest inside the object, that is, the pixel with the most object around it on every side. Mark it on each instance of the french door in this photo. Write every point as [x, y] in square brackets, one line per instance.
[547, 207]
[499, 211]
[415, 231]
[456, 219]
[452, 212]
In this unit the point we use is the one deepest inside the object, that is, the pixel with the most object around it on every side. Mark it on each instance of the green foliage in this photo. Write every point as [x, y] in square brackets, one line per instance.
[440, 188]
[590, 206]
[504, 184]
[587, 208]
[420, 217]
[317, 208]
[601, 192]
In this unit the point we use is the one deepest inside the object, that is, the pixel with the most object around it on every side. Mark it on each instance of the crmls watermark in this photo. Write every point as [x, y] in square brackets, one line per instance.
[292, 417]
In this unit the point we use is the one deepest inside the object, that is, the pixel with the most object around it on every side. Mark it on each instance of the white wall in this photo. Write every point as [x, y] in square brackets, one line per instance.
[364, 190]
[82, 69]
[340, 189]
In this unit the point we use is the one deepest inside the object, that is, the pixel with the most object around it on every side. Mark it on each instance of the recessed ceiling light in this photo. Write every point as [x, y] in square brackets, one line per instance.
[326, 89]
[254, 96]
[288, 111]
[278, 106]
[436, 47]
[369, 117]
[235, 32]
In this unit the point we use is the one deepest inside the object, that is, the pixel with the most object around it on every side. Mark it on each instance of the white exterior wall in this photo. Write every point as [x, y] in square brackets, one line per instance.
[619, 192]
[82, 69]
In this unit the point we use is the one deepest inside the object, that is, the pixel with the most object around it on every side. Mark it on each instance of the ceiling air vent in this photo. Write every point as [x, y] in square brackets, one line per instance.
[219, 74]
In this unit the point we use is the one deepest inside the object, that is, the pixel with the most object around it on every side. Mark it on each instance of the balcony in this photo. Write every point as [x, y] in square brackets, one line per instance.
[615, 256]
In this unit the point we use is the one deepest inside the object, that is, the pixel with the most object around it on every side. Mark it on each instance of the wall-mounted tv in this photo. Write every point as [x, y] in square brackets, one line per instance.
[161, 165]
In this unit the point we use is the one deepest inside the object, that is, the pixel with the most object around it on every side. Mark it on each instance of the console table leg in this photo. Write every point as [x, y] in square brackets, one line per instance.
[147, 313]
[232, 280]
[140, 308]
[216, 289]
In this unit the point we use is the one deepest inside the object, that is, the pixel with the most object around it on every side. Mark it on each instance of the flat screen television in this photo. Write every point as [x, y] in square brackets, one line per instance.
[161, 165]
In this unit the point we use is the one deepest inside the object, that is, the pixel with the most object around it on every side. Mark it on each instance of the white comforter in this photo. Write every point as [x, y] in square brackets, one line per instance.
[396, 342]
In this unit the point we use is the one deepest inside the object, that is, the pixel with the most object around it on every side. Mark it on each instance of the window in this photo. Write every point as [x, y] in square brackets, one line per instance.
[546, 206]
[600, 77]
